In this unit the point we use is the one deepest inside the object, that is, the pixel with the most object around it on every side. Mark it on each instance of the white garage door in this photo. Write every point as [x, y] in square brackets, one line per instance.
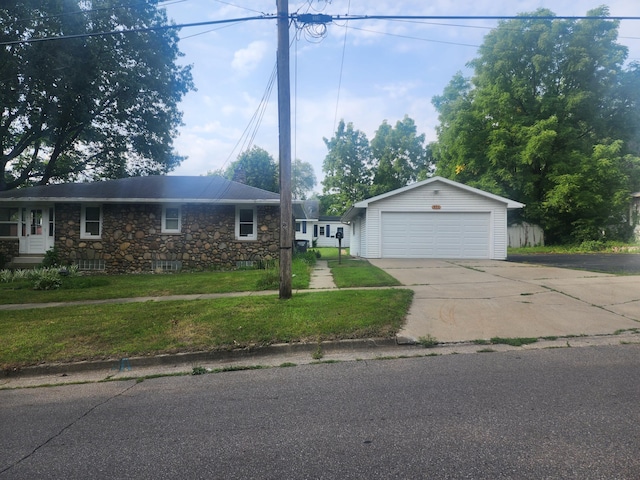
[435, 234]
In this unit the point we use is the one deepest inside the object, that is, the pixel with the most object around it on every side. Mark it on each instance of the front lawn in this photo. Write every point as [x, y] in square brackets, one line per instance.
[64, 334]
[101, 287]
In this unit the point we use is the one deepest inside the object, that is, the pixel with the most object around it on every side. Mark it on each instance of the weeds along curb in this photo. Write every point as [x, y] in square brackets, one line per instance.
[191, 358]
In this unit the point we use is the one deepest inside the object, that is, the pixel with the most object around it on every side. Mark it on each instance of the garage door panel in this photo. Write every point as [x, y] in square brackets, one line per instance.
[435, 235]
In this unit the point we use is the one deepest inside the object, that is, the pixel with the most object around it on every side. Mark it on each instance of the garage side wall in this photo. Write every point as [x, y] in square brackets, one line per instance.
[435, 198]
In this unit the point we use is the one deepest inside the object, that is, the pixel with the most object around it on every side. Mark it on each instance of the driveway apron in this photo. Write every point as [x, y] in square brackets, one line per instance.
[465, 300]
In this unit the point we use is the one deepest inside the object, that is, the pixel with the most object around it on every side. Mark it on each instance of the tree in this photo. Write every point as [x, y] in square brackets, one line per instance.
[102, 106]
[346, 167]
[549, 105]
[304, 179]
[399, 156]
[255, 167]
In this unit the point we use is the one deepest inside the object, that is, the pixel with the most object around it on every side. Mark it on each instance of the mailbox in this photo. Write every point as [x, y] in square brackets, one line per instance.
[339, 235]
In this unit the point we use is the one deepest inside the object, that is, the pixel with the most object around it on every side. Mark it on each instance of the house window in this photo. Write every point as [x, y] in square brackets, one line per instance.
[298, 226]
[321, 231]
[91, 222]
[171, 219]
[9, 218]
[51, 222]
[246, 223]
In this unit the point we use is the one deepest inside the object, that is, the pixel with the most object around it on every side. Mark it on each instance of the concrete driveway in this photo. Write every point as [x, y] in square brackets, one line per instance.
[462, 300]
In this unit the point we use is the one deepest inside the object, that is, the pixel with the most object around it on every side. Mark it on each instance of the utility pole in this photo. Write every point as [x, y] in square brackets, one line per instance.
[284, 125]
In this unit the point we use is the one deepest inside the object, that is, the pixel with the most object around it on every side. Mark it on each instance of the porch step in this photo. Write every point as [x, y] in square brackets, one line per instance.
[31, 261]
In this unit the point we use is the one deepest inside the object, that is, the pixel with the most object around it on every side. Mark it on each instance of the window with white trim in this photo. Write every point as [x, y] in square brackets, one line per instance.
[9, 218]
[91, 221]
[171, 219]
[246, 223]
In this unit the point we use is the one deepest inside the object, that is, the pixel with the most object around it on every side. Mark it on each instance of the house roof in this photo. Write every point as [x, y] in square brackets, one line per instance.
[150, 189]
[361, 206]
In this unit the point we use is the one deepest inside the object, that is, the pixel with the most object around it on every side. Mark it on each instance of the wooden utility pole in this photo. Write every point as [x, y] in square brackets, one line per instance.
[284, 125]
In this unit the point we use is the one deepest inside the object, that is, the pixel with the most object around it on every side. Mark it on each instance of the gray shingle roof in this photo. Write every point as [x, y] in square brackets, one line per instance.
[157, 188]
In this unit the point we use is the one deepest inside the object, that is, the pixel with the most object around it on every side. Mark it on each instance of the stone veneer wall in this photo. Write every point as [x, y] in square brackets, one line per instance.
[9, 248]
[132, 238]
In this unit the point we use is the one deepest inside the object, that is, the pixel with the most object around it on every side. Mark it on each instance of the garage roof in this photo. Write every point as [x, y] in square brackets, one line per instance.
[361, 206]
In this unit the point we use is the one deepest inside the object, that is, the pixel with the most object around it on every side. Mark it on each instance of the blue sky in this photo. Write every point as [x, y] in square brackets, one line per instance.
[364, 71]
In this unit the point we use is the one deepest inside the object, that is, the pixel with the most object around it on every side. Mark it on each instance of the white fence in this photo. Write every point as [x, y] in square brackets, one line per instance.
[525, 235]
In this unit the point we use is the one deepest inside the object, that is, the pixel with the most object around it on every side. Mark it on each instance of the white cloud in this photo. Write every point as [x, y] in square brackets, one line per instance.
[247, 59]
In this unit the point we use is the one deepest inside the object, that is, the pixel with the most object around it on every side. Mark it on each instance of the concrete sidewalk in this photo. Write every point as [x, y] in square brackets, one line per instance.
[465, 300]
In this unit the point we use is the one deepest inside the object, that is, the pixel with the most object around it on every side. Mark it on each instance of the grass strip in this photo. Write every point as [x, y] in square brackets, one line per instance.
[354, 272]
[64, 334]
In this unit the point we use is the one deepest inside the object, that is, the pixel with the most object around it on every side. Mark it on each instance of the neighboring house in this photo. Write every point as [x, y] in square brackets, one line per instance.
[142, 224]
[318, 230]
[435, 218]
[324, 232]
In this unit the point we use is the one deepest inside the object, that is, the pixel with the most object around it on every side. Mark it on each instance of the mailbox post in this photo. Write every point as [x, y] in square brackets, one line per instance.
[339, 236]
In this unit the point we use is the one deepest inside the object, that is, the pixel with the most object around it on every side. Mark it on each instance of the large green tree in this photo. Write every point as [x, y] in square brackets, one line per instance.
[303, 179]
[550, 119]
[87, 107]
[347, 168]
[255, 167]
[400, 156]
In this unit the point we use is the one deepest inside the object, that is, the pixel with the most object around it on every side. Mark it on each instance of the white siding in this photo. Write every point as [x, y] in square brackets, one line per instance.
[436, 197]
[331, 240]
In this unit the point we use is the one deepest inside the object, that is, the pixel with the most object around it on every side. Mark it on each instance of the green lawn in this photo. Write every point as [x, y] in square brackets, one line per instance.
[63, 334]
[72, 333]
[100, 287]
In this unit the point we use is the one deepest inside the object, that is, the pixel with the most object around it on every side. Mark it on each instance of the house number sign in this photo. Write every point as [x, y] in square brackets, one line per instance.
[436, 207]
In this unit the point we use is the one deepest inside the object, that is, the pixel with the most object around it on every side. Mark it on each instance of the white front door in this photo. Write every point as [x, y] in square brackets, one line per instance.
[36, 230]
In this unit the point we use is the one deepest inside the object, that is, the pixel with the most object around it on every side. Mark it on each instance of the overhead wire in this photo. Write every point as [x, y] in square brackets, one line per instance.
[344, 48]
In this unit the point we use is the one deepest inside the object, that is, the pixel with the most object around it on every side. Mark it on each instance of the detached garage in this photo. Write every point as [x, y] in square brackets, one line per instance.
[435, 218]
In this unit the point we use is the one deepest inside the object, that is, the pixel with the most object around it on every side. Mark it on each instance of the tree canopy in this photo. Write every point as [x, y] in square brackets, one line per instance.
[550, 118]
[347, 168]
[255, 167]
[87, 107]
[356, 169]
[399, 156]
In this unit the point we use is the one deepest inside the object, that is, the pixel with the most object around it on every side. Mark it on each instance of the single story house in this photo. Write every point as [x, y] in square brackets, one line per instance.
[434, 218]
[318, 230]
[141, 224]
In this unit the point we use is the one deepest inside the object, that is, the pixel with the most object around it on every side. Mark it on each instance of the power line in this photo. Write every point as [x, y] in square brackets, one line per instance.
[316, 19]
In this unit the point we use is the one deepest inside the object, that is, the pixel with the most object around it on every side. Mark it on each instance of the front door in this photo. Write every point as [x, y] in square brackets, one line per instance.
[36, 230]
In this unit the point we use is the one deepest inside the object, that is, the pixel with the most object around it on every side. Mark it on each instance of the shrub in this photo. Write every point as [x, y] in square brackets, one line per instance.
[51, 258]
[46, 279]
[6, 276]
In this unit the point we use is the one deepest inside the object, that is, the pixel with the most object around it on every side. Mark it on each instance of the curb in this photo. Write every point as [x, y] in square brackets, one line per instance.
[191, 358]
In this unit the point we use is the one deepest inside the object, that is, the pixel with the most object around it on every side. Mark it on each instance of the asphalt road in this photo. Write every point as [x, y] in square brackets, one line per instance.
[627, 263]
[561, 413]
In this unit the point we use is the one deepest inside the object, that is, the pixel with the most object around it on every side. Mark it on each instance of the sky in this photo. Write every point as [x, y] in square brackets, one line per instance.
[363, 72]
